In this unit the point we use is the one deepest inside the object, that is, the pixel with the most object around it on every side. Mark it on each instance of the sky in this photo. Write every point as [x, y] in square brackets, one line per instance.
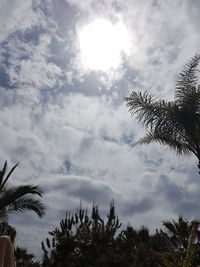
[67, 123]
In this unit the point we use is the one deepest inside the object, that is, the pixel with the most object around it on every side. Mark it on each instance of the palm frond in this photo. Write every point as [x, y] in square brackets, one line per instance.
[165, 139]
[18, 198]
[27, 203]
[173, 123]
[8, 175]
[182, 226]
[12, 194]
[170, 227]
[2, 172]
[148, 111]
[186, 85]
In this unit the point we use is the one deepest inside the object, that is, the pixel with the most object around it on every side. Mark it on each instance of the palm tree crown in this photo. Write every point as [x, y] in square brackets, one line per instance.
[18, 198]
[173, 123]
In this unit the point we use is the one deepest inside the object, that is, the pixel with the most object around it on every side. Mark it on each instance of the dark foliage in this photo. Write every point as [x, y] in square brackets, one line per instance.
[182, 244]
[6, 229]
[18, 198]
[25, 259]
[83, 240]
[172, 123]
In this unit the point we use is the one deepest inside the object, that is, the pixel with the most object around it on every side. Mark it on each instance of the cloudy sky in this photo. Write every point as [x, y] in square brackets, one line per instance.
[62, 113]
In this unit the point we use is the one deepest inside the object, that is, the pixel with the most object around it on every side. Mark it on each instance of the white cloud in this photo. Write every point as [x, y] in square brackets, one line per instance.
[29, 64]
[162, 44]
[18, 16]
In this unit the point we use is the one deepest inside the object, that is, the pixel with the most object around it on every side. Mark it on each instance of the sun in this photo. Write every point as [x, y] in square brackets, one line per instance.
[102, 44]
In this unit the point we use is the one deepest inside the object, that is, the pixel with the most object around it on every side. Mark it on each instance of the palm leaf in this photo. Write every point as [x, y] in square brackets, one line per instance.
[2, 172]
[16, 192]
[165, 139]
[12, 196]
[149, 111]
[187, 81]
[170, 227]
[173, 123]
[160, 114]
[27, 203]
[8, 175]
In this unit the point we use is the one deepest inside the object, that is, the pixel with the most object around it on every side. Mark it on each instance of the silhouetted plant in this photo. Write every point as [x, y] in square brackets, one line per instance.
[172, 123]
[182, 245]
[82, 240]
[134, 246]
[6, 229]
[25, 259]
[18, 198]
[179, 231]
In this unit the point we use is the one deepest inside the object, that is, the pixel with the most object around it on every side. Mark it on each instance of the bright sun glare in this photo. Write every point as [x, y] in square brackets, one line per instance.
[102, 44]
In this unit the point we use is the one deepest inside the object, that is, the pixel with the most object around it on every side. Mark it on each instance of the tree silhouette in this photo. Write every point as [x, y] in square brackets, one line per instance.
[172, 123]
[24, 259]
[182, 244]
[134, 246]
[82, 240]
[179, 231]
[18, 198]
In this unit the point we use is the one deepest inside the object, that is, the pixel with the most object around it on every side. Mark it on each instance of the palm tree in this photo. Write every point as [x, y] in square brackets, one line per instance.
[182, 253]
[172, 123]
[18, 198]
[179, 231]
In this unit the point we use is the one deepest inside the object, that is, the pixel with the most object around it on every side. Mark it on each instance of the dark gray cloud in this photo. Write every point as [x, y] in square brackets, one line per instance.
[134, 207]
[83, 188]
[170, 190]
[184, 200]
